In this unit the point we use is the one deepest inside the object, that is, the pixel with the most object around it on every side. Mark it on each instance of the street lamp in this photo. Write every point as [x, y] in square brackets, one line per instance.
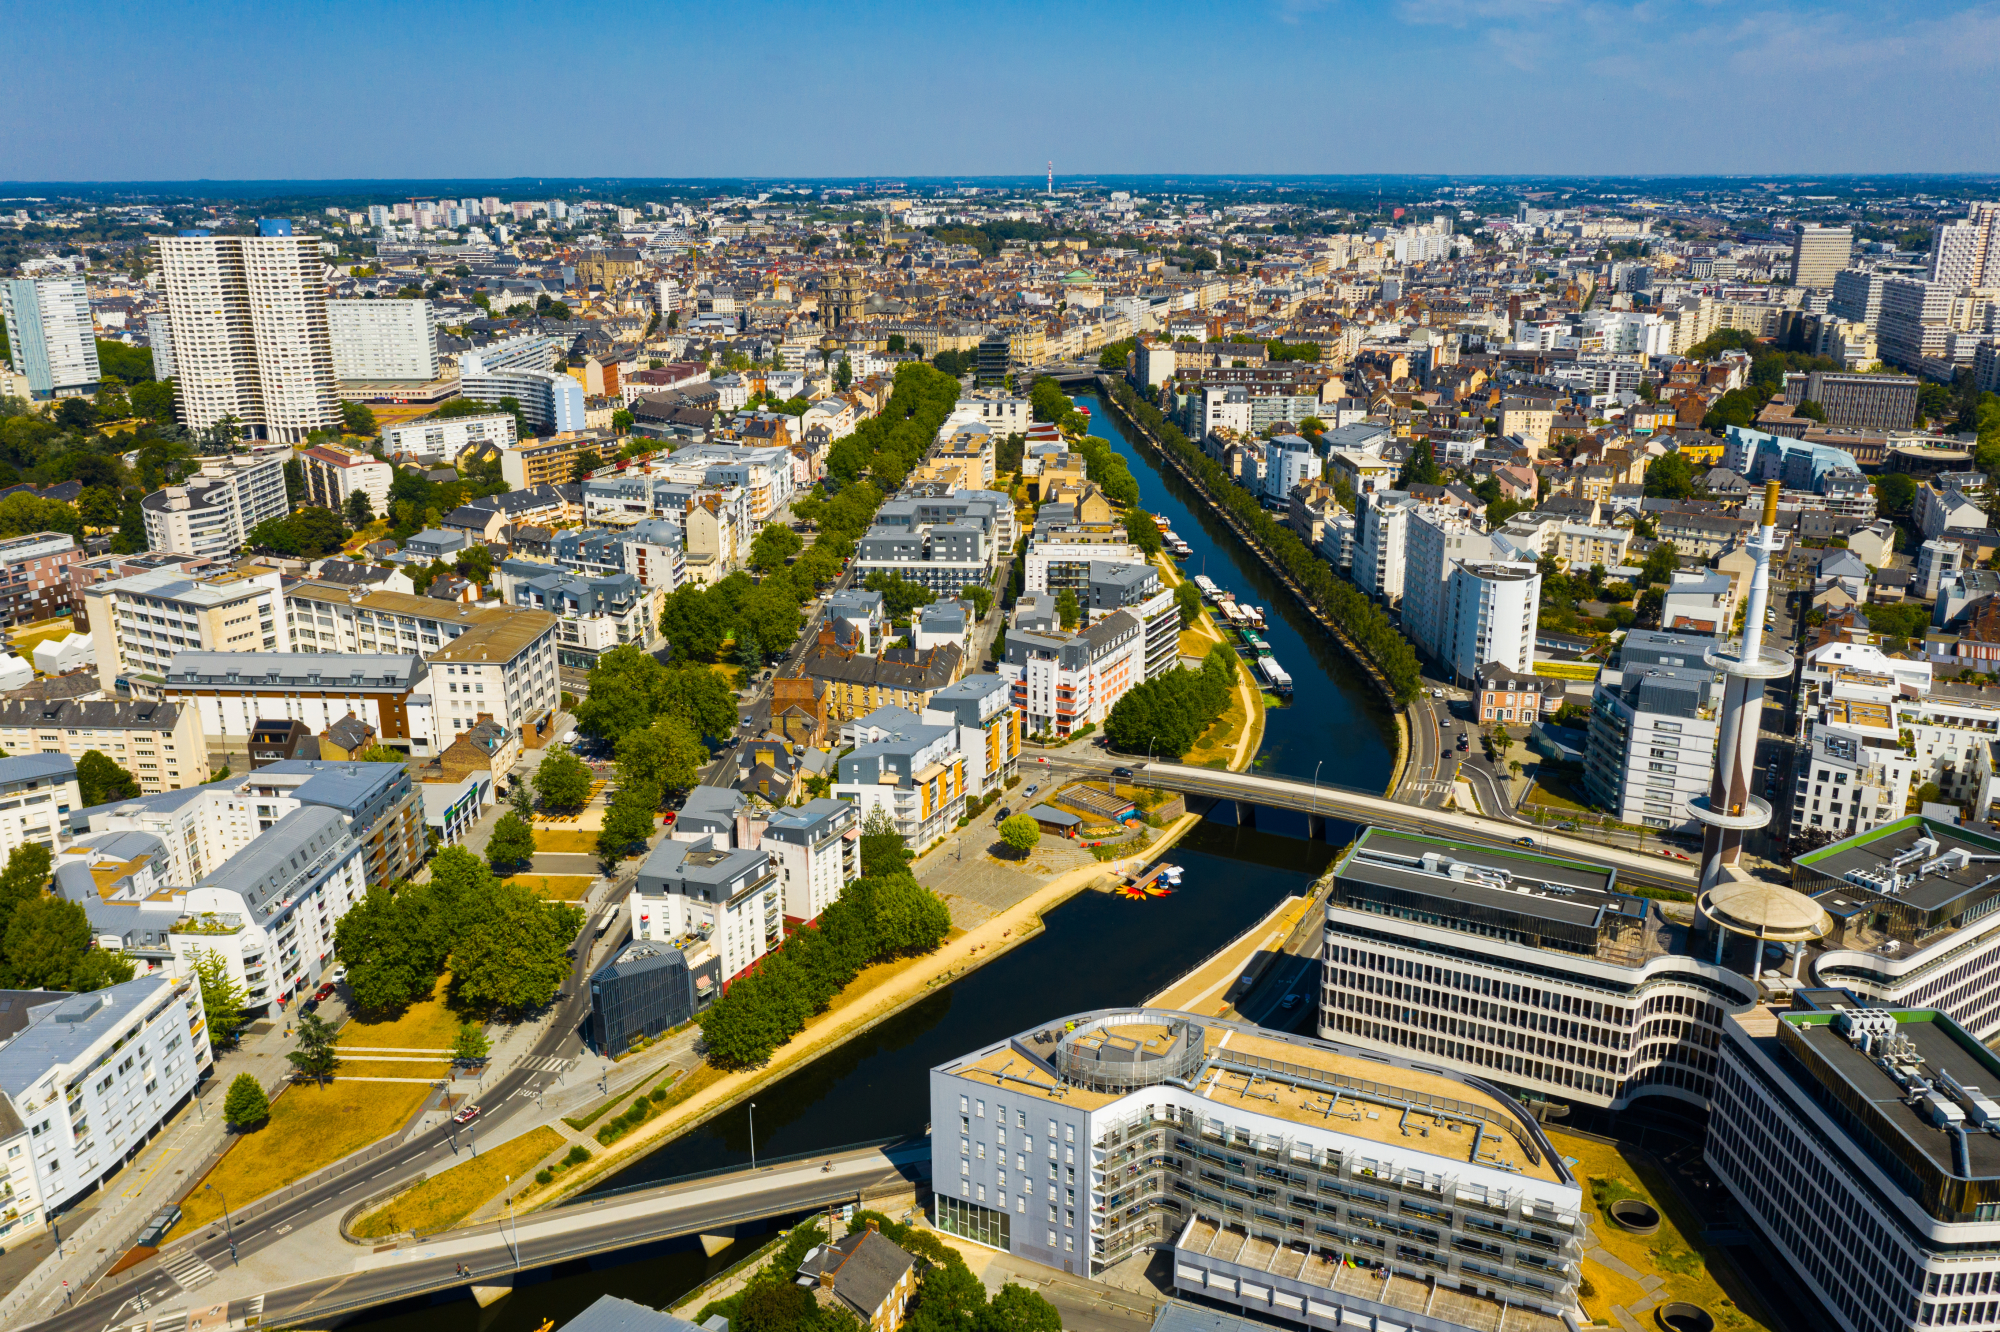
[1315, 794]
[753, 1135]
[515, 1224]
[227, 1227]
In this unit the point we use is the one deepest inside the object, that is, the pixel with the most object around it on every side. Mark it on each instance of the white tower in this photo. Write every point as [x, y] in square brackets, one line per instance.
[1730, 810]
[1052, 178]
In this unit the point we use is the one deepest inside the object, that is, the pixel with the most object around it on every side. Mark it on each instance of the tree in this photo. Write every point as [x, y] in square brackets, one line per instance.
[1811, 410]
[100, 781]
[562, 781]
[246, 1107]
[471, 1046]
[46, 939]
[843, 375]
[1895, 492]
[773, 546]
[221, 996]
[1067, 609]
[1021, 832]
[883, 849]
[100, 967]
[392, 947]
[1669, 476]
[981, 597]
[356, 419]
[629, 820]
[1143, 531]
[621, 421]
[27, 873]
[667, 754]
[1660, 564]
[900, 595]
[1019, 1309]
[360, 509]
[1421, 468]
[1187, 599]
[512, 844]
[315, 1058]
[513, 953]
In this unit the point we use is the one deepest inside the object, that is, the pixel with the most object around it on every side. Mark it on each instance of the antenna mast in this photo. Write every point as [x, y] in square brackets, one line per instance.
[1052, 178]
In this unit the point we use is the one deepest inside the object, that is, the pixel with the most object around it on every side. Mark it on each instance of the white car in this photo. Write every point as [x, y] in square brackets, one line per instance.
[569, 737]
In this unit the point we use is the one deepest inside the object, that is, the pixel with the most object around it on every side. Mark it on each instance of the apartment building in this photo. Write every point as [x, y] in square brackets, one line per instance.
[250, 334]
[858, 682]
[38, 792]
[87, 1079]
[51, 336]
[1096, 1135]
[816, 848]
[212, 513]
[1382, 550]
[36, 580]
[704, 891]
[593, 613]
[555, 461]
[383, 341]
[911, 772]
[1538, 974]
[1061, 682]
[944, 557]
[982, 708]
[1435, 539]
[655, 552]
[1490, 611]
[139, 624]
[332, 474]
[233, 691]
[549, 401]
[1059, 556]
[1819, 253]
[1653, 728]
[1851, 772]
[160, 744]
[434, 442]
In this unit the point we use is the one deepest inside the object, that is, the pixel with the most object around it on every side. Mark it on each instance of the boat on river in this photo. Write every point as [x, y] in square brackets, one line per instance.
[1279, 680]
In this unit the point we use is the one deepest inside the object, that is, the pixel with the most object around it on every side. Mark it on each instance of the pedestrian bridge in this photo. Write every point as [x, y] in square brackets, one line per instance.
[1250, 792]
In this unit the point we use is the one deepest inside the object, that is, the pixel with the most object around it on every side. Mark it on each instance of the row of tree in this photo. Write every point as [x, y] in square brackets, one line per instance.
[505, 947]
[45, 941]
[884, 914]
[1358, 617]
[1166, 715]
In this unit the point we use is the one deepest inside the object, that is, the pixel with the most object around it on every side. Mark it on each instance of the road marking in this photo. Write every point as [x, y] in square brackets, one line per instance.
[189, 1272]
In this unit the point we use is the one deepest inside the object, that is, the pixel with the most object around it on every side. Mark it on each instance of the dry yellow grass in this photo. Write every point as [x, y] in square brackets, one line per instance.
[446, 1199]
[1604, 1170]
[555, 887]
[310, 1127]
[565, 839]
[425, 1026]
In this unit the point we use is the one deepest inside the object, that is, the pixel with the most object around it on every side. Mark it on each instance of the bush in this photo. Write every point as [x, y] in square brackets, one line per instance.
[659, 1094]
[577, 1155]
[545, 1176]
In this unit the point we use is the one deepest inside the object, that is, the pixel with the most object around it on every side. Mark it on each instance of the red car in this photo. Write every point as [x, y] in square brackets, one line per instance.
[466, 1116]
[323, 991]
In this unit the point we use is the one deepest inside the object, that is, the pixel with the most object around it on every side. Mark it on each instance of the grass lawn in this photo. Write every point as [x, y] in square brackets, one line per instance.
[375, 531]
[1608, 1175]
[425, 1026]
[1554, 789]
[310, 1127]
[556, 887]
[733, 674]
[26, 639]
[1569, 670]
[444, 1200]
[565, 839]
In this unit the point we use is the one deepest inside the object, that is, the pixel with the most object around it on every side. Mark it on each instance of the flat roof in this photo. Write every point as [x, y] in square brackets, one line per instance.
[1525, 882]
[1936, 1047]
[1920, 880]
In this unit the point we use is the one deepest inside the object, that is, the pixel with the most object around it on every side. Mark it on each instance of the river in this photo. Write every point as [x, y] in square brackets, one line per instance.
[1096, 949]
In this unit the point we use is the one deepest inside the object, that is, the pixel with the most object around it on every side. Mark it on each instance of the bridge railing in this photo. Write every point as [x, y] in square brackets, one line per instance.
[597, 1196]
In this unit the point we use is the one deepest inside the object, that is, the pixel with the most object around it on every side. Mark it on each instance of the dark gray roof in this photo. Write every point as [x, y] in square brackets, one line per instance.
[611, 1314]
[866, 1267]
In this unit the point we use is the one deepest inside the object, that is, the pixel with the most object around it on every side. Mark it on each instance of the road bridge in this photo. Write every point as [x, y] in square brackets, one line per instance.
[489, 1258]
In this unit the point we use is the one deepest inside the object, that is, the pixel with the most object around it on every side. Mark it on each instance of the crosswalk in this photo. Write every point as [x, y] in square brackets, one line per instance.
[1426, 788]
[188, 1270]
[546, 1064]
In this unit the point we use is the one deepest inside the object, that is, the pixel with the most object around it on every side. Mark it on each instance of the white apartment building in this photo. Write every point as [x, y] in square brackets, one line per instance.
[1004, 412]
[86, 1079]
[160, 338]
[914, 774]
[1436, 537]
[332, 474]
[1490, 612]
[655, 552]
[433, 441]
[212, 513]
[50, 334]
[383, 340]
[1288, 461]
[160, 744]
[138, 624]
[1653, 728]
[1062, 682]
[1092, 1136]
[1852, 773]
[989, 728]
[705, 889]
[816, 848]
[1058, 559]
[250, 333]
[37, 794]
[1381, 552]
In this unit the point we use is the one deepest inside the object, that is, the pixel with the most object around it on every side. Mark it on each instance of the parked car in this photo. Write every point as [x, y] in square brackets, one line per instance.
[1291, 1001]
[309, 1006]
[324, 991]
[1004, 812]
[340, 974]
[1032, 788]
[466, 1116]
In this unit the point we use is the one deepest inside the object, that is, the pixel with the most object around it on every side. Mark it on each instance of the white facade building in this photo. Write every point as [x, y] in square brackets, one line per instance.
[1490, 612]
[212, 513]
[429, 440]
[816, 848]
[376, 340]
[50, 335]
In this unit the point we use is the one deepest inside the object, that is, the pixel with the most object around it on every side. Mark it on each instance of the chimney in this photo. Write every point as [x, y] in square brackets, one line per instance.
[872, 1225]
[826, 1279]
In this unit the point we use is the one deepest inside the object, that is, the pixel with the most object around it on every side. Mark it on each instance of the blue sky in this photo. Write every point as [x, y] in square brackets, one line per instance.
[165, 90]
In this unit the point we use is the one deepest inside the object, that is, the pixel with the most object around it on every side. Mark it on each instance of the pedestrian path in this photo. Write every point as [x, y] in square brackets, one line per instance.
[547, 1064]
[188, 1270]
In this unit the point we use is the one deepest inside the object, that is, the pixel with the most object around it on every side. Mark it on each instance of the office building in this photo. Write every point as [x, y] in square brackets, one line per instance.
[431, 441]
[1539, 974]
[138, 624]
[1858, 402]
[816, 848]
[383, 340]
[250, 336]
[50, 334]
[333, 474]
[705, 890]
[647, 989]
[1653, 728]
[160, 744]
[85, 1081]
[211, 514]
[1099, 1134]
[1819, 253]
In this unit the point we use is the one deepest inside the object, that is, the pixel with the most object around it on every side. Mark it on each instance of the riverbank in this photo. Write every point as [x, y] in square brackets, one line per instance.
[1235, 738]
[1249, 539]
[919, 979]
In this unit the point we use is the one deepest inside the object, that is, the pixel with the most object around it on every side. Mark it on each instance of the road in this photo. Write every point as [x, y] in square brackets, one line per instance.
[509, 1107]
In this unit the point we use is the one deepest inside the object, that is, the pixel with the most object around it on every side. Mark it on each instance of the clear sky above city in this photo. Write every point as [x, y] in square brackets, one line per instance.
[293, 91]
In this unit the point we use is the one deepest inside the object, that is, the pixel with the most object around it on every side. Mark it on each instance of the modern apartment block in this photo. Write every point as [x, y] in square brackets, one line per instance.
[1653, 727]
[50, 333]
[705, 891]
[1819, 253]
[332, 474]
[555, 461]
[982, 707]
[549, 401]
[816, 848]
[211, 514]
[434, 442]
[139, 624]
[85, 1080]
[1863, 1145]
[35, 579]
[1967, 254]
[1289, 1176]
[1536, 973]
[38, 793]
[160, 744]
[233, 691]
[912, 772]
[1063, 681]
[251, 341]
[383, 340]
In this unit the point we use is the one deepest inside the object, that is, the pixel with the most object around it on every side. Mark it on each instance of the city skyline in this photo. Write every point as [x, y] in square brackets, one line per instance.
[1509, 86]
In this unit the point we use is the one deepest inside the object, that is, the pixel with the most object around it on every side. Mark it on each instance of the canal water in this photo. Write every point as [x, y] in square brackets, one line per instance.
[1096, 950]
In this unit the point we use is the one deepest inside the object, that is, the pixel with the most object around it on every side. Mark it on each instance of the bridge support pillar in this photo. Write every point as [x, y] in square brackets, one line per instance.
[490, 1290]
[1315, 827]
[1246, 814]
[715, 1242]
